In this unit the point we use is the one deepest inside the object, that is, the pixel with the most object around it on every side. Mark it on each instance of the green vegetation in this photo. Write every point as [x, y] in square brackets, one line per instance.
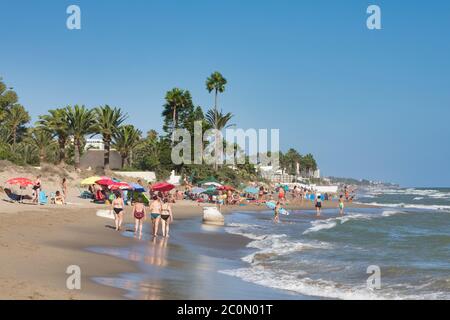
[59, 136]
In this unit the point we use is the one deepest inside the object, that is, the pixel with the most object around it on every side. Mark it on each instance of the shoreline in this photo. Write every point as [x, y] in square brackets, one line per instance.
[38, 243]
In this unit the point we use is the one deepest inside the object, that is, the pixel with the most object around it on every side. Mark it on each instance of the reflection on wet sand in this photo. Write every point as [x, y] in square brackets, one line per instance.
[157, 252]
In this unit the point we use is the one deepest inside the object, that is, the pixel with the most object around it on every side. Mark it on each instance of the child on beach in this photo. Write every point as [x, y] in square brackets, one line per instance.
[139, 216]
[117, 207]
[166, 217]
[341, 205]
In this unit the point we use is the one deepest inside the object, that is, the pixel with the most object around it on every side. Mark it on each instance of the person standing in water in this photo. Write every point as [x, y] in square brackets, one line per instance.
[166, 217]
[318, 204]
[117, 207]
[341, 205]
[155, 214]
[276, 217]
[139, 216]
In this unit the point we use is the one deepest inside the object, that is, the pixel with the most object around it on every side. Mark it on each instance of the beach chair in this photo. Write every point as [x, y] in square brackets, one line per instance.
[43, 198]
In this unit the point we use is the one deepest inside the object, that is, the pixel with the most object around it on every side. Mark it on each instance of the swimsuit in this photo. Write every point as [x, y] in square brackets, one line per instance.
[155, 215]
[139, 215]
[341, 205]
[166, 215]
[319, 204]
[118, 210]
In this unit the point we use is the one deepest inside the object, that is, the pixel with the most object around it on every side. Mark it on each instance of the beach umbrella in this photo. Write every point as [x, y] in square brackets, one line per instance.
[163, 186]
[251, 190]
[23, 182]
[225, 188]
[210, 191]
[105, 182]
[197, 190]
[209, 179]
[120, 185]
[90, 180]
[215, 184]
[137, 187]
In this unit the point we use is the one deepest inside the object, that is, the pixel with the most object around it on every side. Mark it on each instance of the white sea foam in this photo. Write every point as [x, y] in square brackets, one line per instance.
[432, 193]
[330, 223]
[272, 244]
[411, 206]
[279, 279]
[388, 213]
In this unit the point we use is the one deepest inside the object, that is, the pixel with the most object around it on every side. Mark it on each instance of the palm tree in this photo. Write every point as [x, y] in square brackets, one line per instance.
[16, 118]
[108, 120]
[219, 121]
[43, 140]
[125, 140]
[81, 122]
[56, 123]
[216, 82]
[177, 101]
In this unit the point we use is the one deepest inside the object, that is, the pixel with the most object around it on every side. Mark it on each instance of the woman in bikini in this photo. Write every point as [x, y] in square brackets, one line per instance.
[341, 205]
[117, 207]
[139, 216]
[37, 189]
[155, 213]
[64, 187]
[166, 217]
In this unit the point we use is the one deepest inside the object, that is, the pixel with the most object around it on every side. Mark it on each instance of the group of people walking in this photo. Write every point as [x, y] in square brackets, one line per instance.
[160, 214]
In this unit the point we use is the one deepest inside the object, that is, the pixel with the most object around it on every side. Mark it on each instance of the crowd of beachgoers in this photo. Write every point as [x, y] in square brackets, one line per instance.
[155, 200]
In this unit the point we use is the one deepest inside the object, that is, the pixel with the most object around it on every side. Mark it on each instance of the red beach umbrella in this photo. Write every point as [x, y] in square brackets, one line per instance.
[162, 186]
[225, 188]
[23, 182]
[120, 185]
[105, 181]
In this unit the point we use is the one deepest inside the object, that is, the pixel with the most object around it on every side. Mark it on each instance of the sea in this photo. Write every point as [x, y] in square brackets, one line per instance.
[398, 250]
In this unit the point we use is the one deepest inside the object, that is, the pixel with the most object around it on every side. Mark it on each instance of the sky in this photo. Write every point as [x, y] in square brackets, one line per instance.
[366, 103]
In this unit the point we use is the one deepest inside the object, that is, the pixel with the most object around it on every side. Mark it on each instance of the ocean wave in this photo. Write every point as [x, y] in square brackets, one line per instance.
[388, 213]
[330, 223]
[271, 244]
[431, 193]
[319, 288]
[412, 206]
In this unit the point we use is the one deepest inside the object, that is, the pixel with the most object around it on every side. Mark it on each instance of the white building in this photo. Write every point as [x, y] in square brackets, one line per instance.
[94, 144]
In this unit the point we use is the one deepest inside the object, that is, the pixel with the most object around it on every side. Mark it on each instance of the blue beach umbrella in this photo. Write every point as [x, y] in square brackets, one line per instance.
[198, 190]
[137, 187]
[252, 190]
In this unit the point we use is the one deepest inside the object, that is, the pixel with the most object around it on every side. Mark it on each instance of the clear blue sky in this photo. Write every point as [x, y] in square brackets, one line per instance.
[372, 104]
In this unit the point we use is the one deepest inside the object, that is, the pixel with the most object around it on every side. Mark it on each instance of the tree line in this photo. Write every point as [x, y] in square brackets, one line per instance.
[59, 136]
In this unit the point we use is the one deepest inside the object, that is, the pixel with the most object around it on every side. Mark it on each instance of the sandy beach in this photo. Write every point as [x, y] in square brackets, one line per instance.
[38, 243]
